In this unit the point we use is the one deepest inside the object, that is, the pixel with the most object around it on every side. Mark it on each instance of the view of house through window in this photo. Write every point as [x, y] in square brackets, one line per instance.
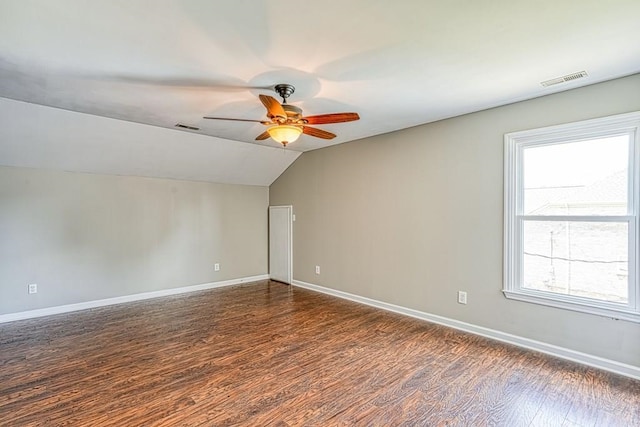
[576, 256]
[571, 216]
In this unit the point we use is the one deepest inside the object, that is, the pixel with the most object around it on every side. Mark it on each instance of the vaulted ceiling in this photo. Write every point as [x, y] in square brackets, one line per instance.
[120, 74]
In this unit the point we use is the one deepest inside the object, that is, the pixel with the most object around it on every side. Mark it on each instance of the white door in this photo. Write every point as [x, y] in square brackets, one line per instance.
[281, 243]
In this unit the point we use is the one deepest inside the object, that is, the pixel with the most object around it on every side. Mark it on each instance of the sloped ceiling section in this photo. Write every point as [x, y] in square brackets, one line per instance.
[42, 137]
[398, 64]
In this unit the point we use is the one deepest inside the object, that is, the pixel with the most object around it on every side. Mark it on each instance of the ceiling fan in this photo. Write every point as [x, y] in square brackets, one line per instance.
[286, 122]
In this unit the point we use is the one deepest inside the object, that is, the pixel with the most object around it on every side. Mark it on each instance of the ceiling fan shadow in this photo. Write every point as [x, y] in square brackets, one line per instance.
[240, 25]
[218, 84]
[306, 85]
[317, 106]
[374, 64]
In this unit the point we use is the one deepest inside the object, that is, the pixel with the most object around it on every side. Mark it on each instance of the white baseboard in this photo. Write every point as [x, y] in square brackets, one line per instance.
[553, 350]
[126, 298]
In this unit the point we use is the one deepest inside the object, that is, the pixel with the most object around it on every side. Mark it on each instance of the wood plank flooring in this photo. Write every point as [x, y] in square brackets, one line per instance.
[267, 354]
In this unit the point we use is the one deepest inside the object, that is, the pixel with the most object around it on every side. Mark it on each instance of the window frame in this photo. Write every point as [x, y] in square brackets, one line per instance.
[514, 145]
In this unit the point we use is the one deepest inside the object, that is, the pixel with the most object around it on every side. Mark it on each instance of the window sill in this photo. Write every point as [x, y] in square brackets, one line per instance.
[611, 313]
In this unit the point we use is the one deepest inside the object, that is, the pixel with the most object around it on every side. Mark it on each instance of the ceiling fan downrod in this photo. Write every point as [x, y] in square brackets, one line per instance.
[284, 90]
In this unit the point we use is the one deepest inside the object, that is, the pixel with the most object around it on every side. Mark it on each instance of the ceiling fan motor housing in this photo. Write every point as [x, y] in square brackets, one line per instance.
[292, 111]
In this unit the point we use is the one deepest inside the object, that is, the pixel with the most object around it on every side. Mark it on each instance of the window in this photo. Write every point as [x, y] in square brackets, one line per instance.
[571, 216]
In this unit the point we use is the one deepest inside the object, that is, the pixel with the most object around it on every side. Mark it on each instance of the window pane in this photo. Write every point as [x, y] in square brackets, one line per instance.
[585, 259]
[577, 178]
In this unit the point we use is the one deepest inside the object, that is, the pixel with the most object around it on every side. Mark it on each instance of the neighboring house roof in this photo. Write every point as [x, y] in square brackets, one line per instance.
[610, 190]
[537, 198]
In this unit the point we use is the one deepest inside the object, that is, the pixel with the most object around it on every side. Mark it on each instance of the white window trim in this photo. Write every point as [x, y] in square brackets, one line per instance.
[589, 129]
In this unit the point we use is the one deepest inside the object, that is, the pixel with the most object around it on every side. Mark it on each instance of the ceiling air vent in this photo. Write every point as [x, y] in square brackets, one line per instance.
[181, 126]
[568, 78]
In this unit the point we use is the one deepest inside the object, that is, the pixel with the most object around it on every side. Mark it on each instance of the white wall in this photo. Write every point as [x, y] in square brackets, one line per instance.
[84, 237]
[411, 217]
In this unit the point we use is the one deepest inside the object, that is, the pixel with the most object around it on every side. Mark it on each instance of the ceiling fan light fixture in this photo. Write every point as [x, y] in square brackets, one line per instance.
[284, 134]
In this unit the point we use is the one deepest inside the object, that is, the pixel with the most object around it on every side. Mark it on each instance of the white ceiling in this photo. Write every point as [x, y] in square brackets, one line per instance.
[152, 64]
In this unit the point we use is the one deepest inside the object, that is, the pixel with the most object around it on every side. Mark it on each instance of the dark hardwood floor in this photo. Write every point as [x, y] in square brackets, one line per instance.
[269, 354]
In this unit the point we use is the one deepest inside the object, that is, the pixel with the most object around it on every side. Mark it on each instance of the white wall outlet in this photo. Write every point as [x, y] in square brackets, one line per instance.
[293, 217]
[216, 267]
[317, 269]
[33, 288]
[462, 297]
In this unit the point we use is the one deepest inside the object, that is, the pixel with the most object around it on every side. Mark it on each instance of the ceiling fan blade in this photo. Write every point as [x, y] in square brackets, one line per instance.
[263, 135]
[274, 109]
[318, 133]
[238, 120]
[324, 119]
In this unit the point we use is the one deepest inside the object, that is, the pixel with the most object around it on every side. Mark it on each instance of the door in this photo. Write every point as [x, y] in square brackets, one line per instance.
[281, 243]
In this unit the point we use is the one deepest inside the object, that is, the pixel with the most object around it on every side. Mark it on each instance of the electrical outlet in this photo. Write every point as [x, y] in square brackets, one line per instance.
[462, 297]
[317, 269]
[33, 288]
[216, 267]
[293, 217]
